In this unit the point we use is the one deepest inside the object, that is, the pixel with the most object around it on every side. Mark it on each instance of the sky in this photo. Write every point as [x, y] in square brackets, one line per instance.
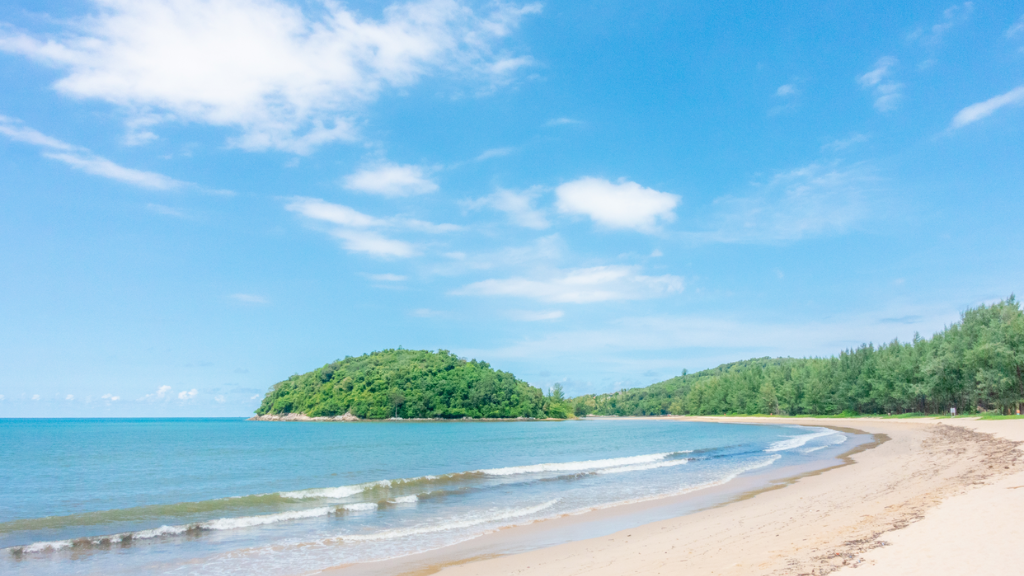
[201, 198]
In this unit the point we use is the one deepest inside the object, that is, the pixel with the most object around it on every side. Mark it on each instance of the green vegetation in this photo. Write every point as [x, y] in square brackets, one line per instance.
[975, 364]
[412, 384]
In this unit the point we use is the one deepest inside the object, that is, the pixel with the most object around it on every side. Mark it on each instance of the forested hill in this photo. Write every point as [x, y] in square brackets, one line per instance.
[410, 384]
[976, 363]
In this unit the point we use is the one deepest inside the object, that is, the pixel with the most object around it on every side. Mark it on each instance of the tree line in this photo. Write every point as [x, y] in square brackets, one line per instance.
[975, 364]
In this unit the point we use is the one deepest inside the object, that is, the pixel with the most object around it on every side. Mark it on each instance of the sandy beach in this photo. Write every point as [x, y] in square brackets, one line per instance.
[935, 496]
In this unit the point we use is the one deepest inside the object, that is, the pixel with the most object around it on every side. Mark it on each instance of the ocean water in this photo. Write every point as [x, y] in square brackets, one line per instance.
[227, 496]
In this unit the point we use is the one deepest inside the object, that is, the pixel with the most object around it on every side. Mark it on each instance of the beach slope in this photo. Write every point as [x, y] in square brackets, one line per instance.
[934, 497]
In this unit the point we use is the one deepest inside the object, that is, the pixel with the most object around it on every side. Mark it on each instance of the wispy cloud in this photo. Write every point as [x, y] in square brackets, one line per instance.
[388, 277]
[354, 228]
[980, 110]
[372, 243]
[844, 143]
[391, 180]
[81, 159]
[887, 93]
[1016, 28]
[110, 397]
[284, 77]
[579, 286]
[787, 90]
[621, 205]
[517, 205]
[494, 153]
[165, 210]
[250, 298]
[188, 394]
[808, 201]
[561, 122]
[535, 316]
[951, 17]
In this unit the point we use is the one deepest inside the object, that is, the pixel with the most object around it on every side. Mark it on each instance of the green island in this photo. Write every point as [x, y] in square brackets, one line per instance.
[974, 365]
[411, 384]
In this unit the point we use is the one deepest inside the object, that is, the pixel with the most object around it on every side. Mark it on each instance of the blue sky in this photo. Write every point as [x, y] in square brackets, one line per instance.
[201, 197]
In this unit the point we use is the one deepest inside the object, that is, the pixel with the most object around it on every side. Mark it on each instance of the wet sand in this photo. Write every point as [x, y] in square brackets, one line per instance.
[938, 496]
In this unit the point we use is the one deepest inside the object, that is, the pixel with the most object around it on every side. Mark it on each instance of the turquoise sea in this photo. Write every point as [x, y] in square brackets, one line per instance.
[228, 496]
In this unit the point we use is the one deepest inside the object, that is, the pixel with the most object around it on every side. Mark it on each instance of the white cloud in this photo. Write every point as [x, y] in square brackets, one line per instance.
[255, 397]
[69, 397]
[808, 201]
[35, 396]
[81, 159]
[887, 93]
[391, 180]
[352, 227]
[787, 90]
[388, 278]
[373, 243]
[952, 16]
[843, 144]
[561, 122]
[250, 298]
[518, 206]
[580, 286]
[976, 112]
[317, 209]
[162, 393]
[546, 250]
[1017, 28]
[285, 78]
[110, 397]
[535, 316]
[625, 204]
[15, 131]
[164, 210]
[219, 398]
[188, 394]
[494, 153]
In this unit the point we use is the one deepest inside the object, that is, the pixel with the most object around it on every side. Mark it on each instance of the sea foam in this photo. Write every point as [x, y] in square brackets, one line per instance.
[798, 441]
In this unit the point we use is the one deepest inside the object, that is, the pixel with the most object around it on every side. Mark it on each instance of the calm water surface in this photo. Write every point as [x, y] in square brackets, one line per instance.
[227, 496]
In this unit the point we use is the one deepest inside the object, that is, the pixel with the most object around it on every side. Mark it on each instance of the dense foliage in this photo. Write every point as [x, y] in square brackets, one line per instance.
[974, 364]
[411, 384]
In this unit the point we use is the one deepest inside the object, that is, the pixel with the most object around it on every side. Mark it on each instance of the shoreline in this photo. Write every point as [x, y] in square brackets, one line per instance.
[603, 521]
[810, 523]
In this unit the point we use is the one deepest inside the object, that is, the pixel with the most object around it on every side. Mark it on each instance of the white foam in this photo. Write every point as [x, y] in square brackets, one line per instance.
[361, 507]
[798, 441]
[47, 546]
[250, 521]
[405, 499]
[465, 522]
[339, 492]
[839, 439]
[154, 533]
[639, 467]
[577, 466]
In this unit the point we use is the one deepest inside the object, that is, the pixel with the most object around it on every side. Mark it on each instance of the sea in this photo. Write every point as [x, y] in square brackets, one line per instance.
[230, 496]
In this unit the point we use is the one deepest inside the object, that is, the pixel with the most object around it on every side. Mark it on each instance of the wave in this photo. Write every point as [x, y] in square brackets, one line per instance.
[640, 467]
[404, 499]
[798, 441]
[335, 493]
[464, 522]
[839, 439]
[581, 465]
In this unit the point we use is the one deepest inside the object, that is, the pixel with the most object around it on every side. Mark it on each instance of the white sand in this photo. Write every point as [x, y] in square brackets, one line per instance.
[940, 497]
